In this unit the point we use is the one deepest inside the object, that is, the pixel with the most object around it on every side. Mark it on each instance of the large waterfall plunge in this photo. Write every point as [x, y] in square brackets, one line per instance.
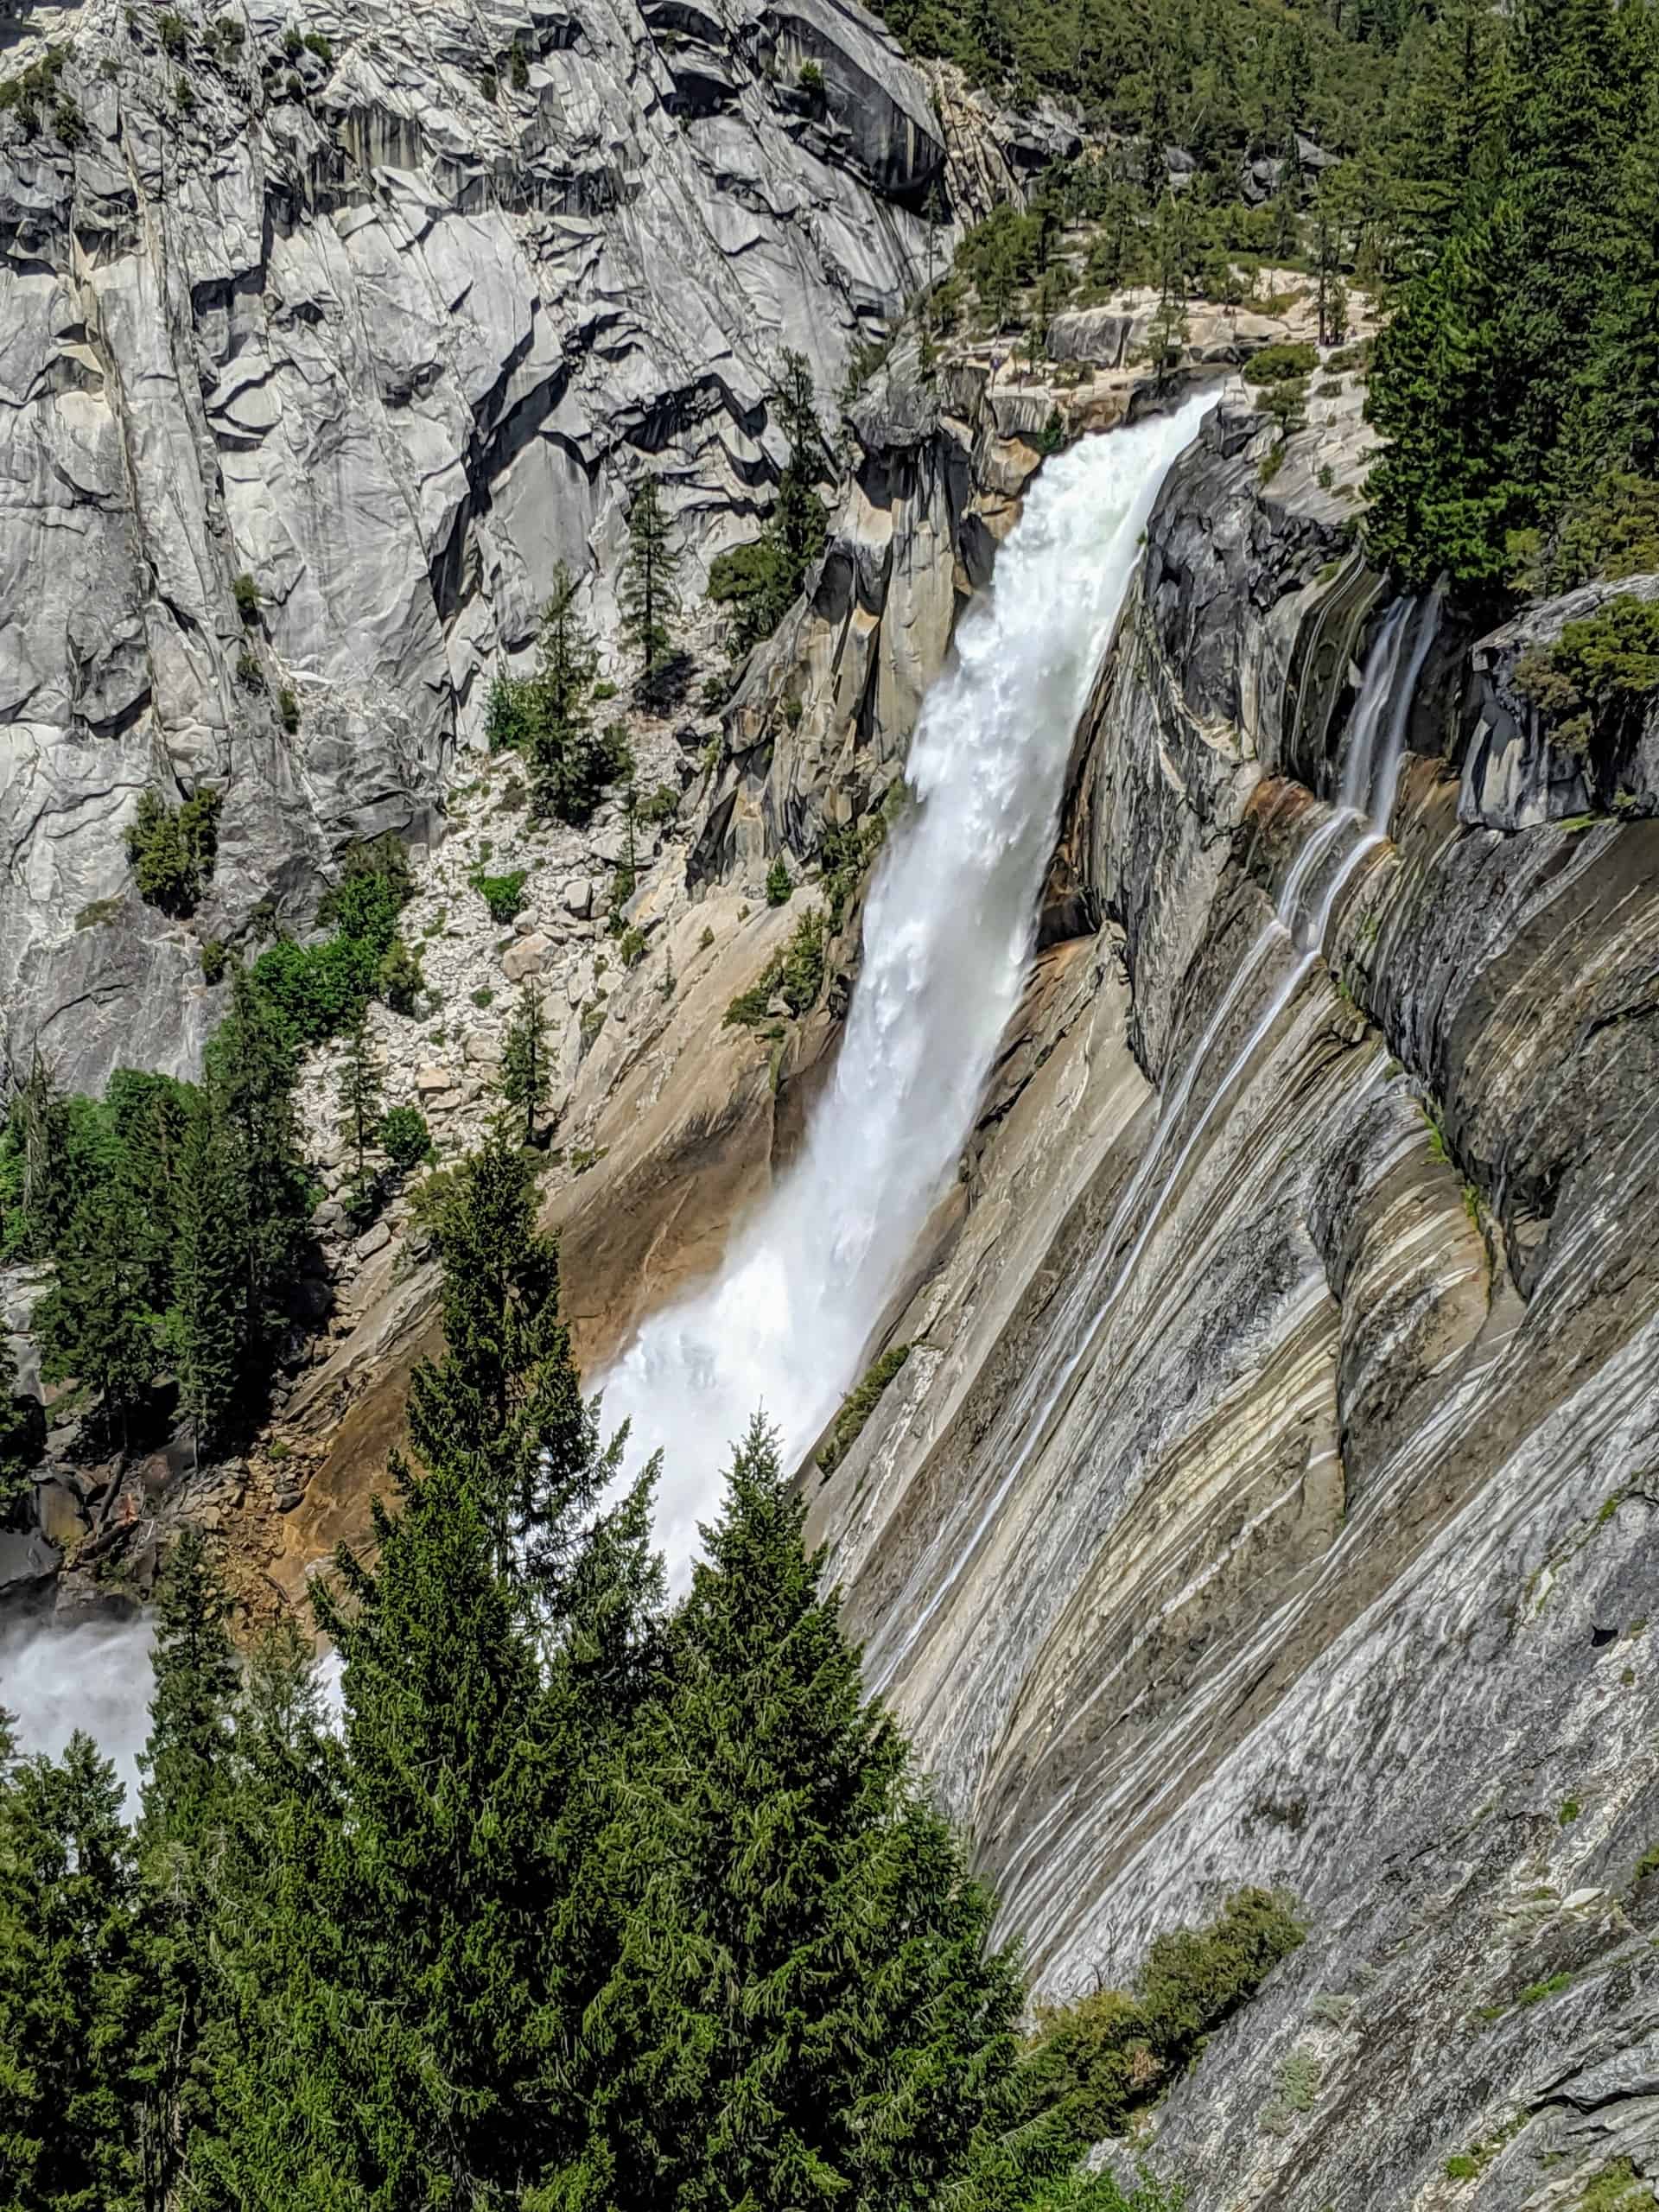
[947, 938]
[948, 935]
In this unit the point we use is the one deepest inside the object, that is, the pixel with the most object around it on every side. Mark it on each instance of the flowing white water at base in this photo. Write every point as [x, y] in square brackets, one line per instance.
[95, 1676]
[948, 935]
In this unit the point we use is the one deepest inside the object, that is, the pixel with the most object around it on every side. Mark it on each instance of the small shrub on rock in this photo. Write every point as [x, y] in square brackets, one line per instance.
[781, 885]
[404, 1138]
[399, 978]
[504, 895]
[1280, 363]
[859, 1405]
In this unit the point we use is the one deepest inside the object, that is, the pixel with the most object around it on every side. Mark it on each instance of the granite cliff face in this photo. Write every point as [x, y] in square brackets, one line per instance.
[385, 309]
[1269, 1492]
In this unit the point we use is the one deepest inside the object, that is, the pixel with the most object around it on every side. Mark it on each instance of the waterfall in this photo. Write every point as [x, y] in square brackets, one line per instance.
[94, 1677]
[948, 929]
[1373, 753]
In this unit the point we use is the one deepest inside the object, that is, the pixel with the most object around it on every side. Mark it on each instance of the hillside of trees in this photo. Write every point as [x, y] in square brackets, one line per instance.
[588, 1901]
[1517, 381]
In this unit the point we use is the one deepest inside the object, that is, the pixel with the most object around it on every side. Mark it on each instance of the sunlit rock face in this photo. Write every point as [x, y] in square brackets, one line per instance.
[389, 323]
[1269, 1493]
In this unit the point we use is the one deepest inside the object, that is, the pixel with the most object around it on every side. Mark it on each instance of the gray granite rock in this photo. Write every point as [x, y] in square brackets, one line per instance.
[389, 335]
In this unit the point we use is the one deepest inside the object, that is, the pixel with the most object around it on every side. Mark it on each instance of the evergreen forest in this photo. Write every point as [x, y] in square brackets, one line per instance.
[571, 1898]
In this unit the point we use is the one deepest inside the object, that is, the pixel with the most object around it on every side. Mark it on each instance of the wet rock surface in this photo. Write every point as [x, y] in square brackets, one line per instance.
[1268, 1496]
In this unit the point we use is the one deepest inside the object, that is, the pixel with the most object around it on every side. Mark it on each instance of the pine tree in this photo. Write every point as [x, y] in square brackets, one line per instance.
[1569, 122]
[525, 1076]
[186, 1807]
[1626, 366]
[1330, 295]
[96, 1324]
[645, 588]
[361, 1091]
[504, 1408]
[1486, 382]
[388, 2066]
[419, 1943]
[1444, 496]
[251, 1071]
[196, 1678]
[797, 524]
[22, 1435]
[205, 1324]
[804, 2010]
[244, 1202]
[279, 1922]
[151, 1116]
[1449, 146]
[57, 1170]
[69, 1985]
[568, 762]
[761, 581]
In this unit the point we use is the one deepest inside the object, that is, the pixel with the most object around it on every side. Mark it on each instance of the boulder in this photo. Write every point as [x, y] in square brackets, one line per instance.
[1096, 335]
[59, 1514]
[526, 956]
[25, 1560]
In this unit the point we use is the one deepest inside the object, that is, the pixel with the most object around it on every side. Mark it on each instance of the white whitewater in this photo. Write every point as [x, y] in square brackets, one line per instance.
[947, 939]
[95, 1677]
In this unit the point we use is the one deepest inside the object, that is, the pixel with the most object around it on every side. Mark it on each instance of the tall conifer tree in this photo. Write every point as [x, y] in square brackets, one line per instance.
[186, 1808]
[525, 1076]
[646, 589]
[503, 1408]
[804, 2010]
[69, 1985]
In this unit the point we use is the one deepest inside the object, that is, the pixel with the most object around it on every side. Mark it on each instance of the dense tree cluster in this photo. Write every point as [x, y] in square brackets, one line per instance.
[176, 1215]
[1517, 382]
[1220, 80]
[593, 1903]
[321, 989]
[173, 848]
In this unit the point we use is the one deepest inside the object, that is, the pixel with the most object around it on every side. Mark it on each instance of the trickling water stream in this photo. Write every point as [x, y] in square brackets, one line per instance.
[948, 936]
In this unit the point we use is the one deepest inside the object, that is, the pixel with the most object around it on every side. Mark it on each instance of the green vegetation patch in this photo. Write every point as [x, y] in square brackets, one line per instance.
[320, 989]
[795, 975]
[858, 1405]
[173, 848]
[1282, 365]
[1595, 681]
[503, 895]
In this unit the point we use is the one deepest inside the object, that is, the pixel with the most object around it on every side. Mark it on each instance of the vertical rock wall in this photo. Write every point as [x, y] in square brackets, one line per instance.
[388, 322]
[1269, 1493]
